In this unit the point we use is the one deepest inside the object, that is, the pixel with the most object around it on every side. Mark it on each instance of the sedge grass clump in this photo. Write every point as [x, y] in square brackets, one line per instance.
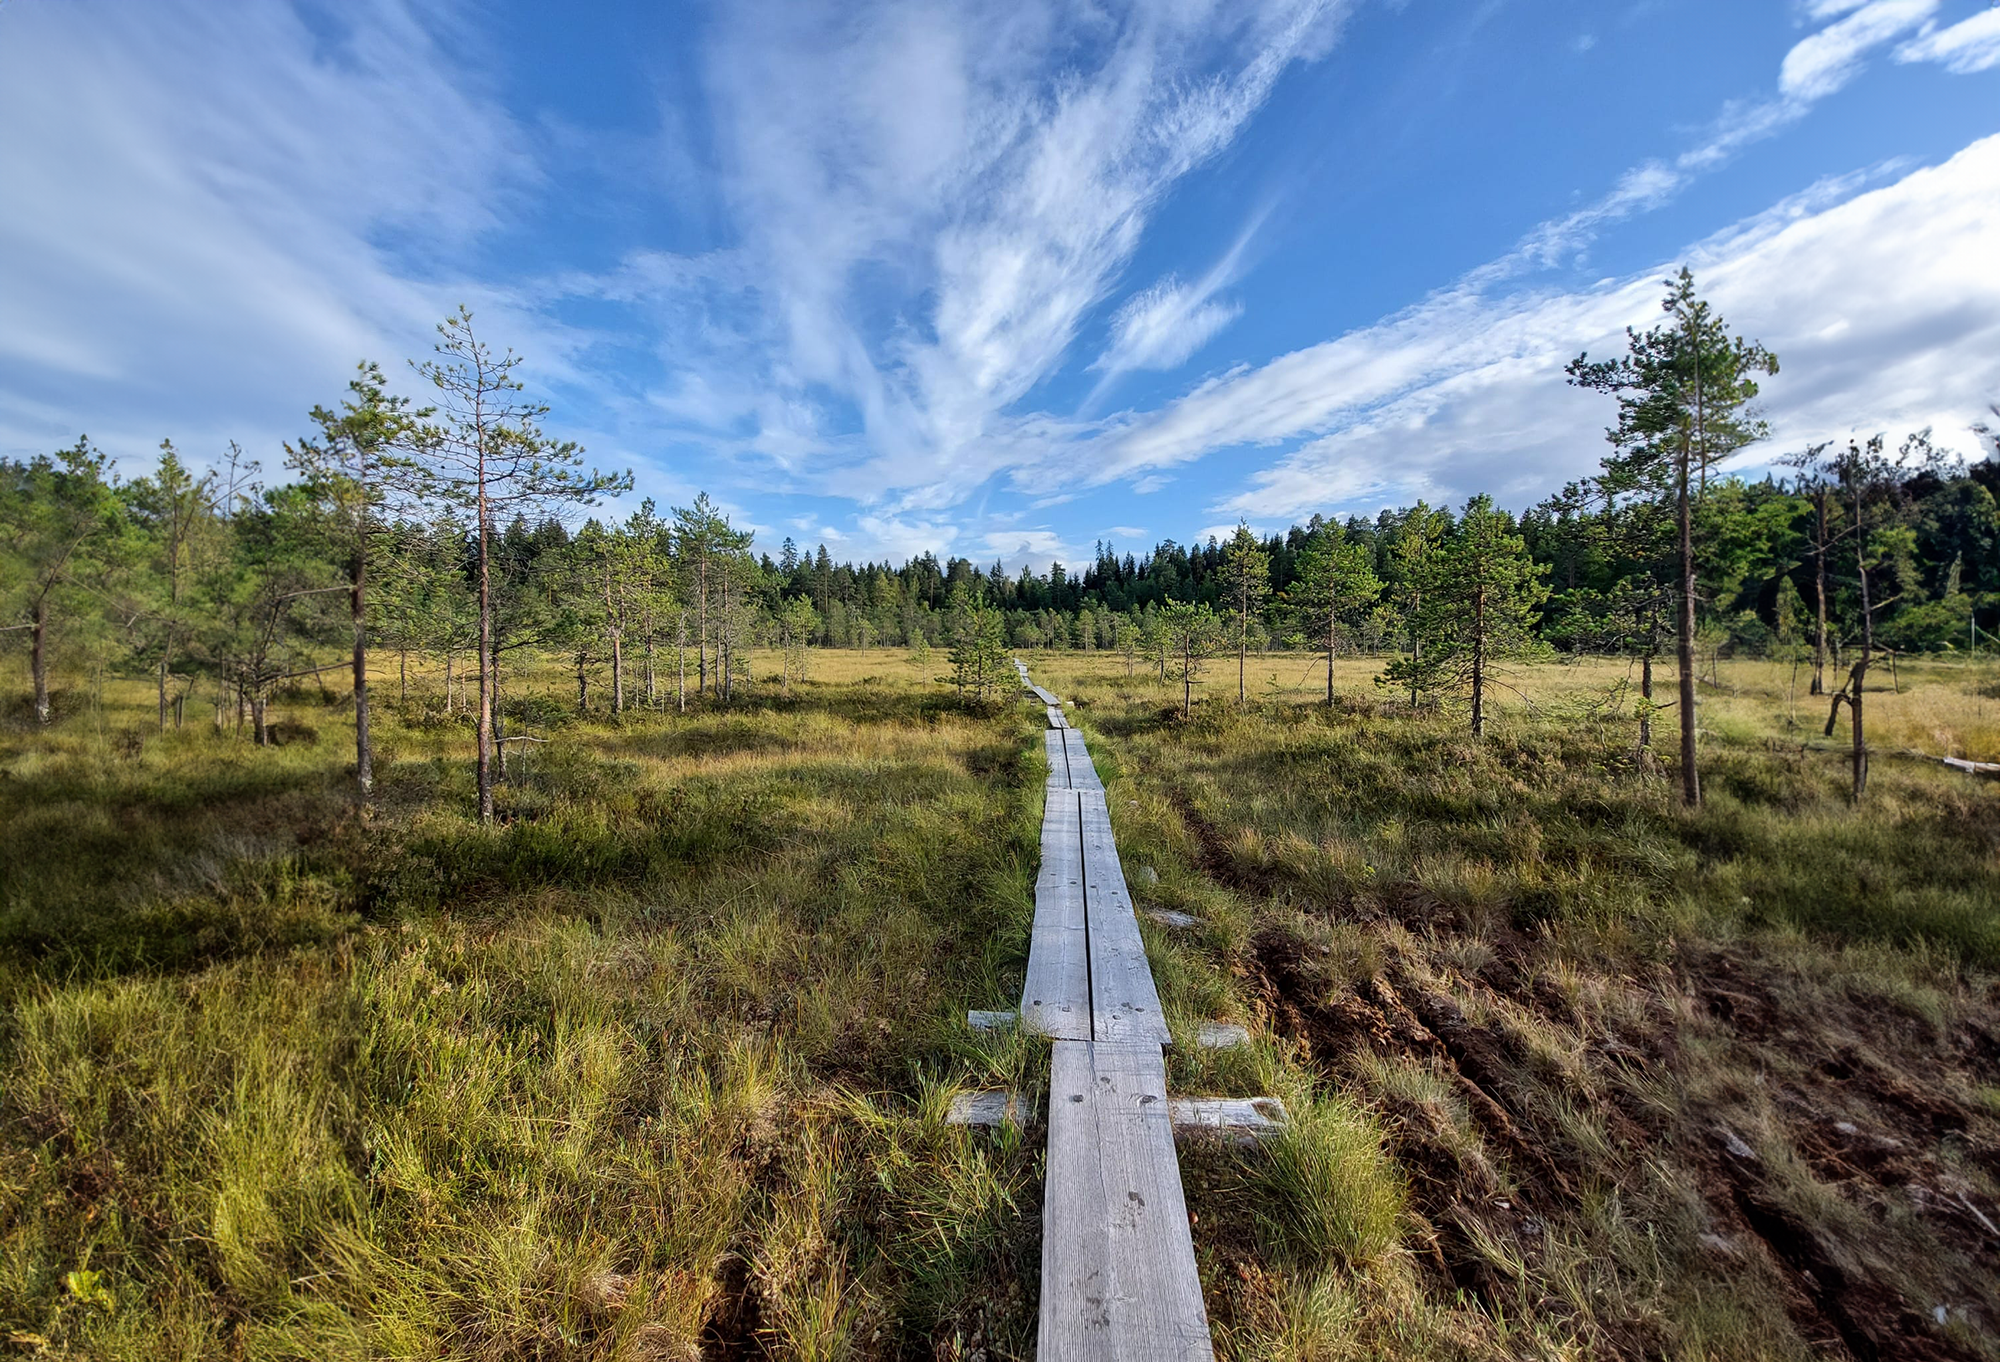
[404, 1085]
[1330, 1193]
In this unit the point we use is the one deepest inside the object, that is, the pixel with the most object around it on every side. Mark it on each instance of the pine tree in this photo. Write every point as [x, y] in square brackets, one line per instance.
[1412, 568]
[798, 625]
[1681, 389]
[1246, 581]
[1336, 580]
[485, 452]
[1479, 595]
[56, 515]
[348, 474]
[1190, 634]
[978, 645]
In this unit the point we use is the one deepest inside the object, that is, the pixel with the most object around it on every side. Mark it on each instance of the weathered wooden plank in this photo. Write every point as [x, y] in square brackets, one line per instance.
[1124, 1005]
[1056, 719]
[1221, 1036]
[1259, 1117]
[1058, 759]
[991, 1108]
[1045, 697]
[1118, 1268]
[1055, 999]
[992, 1021]
[1082, 771]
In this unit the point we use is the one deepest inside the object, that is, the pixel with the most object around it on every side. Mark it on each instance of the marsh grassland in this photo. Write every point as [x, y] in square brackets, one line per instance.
[656, 1067]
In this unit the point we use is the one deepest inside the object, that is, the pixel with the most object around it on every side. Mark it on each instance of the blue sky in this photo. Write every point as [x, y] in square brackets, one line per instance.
[998, 279]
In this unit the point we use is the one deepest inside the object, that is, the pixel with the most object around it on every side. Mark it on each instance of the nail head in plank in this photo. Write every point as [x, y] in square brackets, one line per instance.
[1118, 1269]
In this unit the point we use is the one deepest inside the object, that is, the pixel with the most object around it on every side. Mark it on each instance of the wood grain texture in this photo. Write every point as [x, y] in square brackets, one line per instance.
[1058, 755]
[1056, 719]
[1045, 697]
[1082, 771]
[1118, 1269]
[1124, 1005]
[1055, 998]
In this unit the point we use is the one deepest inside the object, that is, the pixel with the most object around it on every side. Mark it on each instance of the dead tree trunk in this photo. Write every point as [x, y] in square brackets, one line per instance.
[364, 747]
[38, 659]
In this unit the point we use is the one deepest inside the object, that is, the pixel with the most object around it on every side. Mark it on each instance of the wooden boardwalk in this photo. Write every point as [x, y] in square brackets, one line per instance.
[1118, 1269]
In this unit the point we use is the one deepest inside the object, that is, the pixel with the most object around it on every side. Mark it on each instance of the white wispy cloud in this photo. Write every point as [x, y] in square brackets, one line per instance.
[1816, 67]
[1159, 327]
[1877, 303]
[1962, 48]
[1162, 325]
[935, 199]
[1455, 392]
[1827, 60]
[200, 231]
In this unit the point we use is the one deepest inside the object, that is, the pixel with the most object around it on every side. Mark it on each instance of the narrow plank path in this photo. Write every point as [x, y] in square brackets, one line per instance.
[1118, 1269]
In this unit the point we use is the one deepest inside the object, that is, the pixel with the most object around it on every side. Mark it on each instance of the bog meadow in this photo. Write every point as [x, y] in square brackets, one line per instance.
[442, 920]
[999, 681]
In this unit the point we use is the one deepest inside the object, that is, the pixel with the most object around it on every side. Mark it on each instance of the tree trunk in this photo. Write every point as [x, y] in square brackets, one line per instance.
[701, 630]
[1860, 676]
[259, 726]
[164, 651]
[617, 650]
[582, 685]
[484, 724]
[364, 747]
[38, 660]
[652, 682]
[1242, 648]
[1329, 660]
[1479, 663]
[1819, 585]
[1646, 704]
[1684, 645]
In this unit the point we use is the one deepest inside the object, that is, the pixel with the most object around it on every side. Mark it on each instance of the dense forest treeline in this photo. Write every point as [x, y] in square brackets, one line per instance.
[443, 534]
